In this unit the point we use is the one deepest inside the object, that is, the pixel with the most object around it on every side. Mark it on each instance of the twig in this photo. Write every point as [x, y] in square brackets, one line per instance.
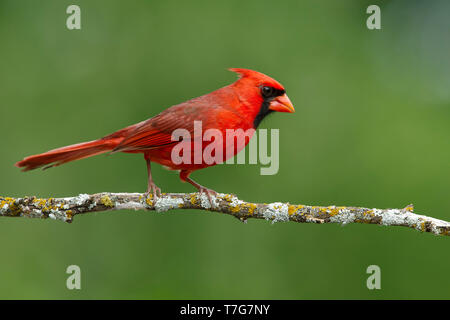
[66, 208]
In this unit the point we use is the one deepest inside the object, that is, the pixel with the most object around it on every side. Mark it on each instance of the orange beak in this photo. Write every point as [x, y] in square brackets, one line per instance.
[282, 104]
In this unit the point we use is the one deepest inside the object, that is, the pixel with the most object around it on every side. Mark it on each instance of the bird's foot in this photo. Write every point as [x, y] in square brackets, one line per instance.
[154, 190]
[209, 193]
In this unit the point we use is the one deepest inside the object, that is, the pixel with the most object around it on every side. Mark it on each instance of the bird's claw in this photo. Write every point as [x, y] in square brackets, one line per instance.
[154, 190]
[208, 193]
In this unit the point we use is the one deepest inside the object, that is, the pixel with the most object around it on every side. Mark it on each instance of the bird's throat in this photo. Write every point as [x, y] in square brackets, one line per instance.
[263, 112]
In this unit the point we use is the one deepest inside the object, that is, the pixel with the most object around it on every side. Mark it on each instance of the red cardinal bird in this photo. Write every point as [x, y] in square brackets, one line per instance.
[241, 105]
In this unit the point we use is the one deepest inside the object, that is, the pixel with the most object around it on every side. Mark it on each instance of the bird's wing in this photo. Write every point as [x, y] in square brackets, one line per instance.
[157, 131]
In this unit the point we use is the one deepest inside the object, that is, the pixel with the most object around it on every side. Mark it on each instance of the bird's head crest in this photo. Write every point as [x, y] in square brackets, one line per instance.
[257, 78]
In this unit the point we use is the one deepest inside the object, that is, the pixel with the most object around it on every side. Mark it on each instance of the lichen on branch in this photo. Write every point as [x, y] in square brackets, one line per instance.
[66, 208]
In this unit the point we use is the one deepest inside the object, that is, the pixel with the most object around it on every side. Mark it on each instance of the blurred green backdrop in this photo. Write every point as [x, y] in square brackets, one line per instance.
[371, 129]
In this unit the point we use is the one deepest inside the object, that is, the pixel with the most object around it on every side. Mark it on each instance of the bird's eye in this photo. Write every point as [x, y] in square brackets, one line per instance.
[267, 91]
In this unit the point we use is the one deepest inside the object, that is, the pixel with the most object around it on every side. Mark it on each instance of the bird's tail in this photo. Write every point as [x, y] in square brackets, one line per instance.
[73, 152]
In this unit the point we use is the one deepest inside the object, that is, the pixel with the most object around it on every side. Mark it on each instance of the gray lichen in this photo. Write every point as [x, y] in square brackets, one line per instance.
[276, 212]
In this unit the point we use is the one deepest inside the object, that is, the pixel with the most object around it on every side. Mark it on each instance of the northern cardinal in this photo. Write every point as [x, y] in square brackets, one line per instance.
[240, 105]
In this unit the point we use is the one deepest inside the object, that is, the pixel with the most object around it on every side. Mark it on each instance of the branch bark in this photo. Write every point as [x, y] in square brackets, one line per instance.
[66, 208]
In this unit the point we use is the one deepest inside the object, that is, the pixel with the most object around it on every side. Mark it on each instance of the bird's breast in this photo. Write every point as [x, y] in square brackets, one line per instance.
[212, 146]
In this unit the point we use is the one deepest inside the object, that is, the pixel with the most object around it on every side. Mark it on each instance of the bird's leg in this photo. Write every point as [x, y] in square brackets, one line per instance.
[151, 186]
[184, 176]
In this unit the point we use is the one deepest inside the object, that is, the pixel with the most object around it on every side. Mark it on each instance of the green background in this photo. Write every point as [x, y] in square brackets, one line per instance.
[371, 129]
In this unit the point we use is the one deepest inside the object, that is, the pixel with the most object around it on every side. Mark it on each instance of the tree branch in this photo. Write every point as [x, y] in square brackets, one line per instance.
[66, 208]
